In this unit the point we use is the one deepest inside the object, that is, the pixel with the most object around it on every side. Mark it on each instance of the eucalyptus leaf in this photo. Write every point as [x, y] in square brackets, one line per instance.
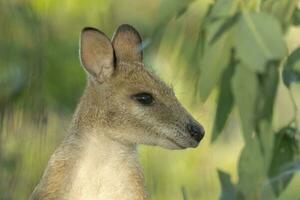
[224, 27]
[296, 17]
[225, 101]
[170, 8]
[268, 83]
[224, 8]
[214, 62]
[284, 152]
[244, 87]
[251, 163]
[265, 138]
[291, 69]
[202, 35]
[258, 40]
[251, 171]
[252, 4]
[283, 11]
[228, 189]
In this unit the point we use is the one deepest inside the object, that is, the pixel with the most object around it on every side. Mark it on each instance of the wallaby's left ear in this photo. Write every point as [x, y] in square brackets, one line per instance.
[96, 54]
[127, 44]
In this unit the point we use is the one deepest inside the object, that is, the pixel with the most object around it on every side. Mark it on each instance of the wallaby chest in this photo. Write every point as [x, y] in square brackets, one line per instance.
[103, 172]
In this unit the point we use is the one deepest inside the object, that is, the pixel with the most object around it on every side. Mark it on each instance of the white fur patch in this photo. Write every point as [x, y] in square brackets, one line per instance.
[105, 171]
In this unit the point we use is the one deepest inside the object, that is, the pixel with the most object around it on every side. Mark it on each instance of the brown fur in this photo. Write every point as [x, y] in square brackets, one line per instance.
[109, 124]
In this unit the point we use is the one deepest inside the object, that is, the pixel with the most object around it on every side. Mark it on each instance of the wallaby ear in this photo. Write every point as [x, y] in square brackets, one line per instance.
[96, 54]
[127, 44]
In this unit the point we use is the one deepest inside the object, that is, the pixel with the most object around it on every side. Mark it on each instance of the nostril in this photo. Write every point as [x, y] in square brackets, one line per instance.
[197, 132]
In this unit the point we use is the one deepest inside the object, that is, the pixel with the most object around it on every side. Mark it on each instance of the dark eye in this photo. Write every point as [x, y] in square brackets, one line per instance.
[144, 98]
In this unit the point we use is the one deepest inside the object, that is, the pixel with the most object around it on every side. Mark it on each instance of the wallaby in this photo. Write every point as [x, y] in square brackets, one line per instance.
[123, 105]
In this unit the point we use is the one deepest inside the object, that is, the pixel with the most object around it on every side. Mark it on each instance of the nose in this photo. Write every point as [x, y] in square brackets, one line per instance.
[196, 131]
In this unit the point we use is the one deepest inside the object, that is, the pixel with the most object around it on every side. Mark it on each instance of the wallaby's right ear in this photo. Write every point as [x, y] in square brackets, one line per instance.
[96, 54]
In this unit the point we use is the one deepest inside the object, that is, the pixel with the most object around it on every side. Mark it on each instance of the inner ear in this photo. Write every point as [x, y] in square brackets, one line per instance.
[96, 54]
[127, 44]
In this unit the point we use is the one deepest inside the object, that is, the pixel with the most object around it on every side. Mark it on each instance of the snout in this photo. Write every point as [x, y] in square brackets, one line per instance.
[196, 131]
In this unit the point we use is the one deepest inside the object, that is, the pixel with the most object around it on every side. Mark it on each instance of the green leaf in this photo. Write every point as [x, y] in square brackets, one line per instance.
[225, 26]
[265, 139]
[244, 87]
[252, 4]
[283, 10]
[251, 163]
[202, 35]
[268, 82]
[228, 190]
[214, 62]
[168, 10]
[296, 17]
[284, 152]
[224, 8]
[291, 69]
[171, 8]
[225, 101]
[251, 171]
[258, 40]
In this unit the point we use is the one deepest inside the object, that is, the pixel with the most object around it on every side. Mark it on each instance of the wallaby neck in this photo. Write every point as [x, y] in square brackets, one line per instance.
[94, 167]
[106, 169]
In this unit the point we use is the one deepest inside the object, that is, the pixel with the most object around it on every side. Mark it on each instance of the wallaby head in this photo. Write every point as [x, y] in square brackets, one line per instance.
[122, 97]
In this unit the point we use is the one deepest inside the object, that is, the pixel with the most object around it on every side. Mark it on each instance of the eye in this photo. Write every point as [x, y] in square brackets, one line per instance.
[144, 98]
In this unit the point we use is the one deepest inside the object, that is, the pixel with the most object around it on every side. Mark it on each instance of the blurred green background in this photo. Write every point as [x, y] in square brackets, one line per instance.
[41, 81]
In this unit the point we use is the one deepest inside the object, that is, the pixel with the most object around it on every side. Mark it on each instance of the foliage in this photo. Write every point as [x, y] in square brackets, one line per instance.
[234, 46]
[291, 70]
[284, 153]
[243, 59]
